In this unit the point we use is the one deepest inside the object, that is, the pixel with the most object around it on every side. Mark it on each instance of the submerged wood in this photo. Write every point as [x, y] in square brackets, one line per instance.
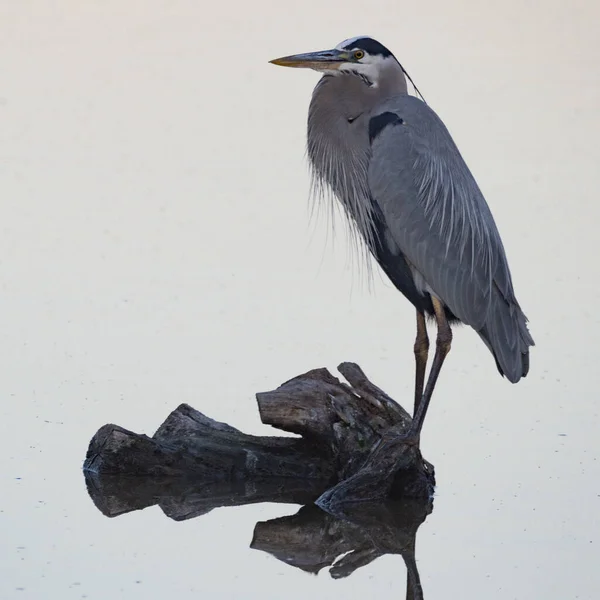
[350, 447]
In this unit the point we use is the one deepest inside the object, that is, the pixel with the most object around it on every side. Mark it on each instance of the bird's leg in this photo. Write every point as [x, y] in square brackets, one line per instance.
[421, 353]
[442, 347]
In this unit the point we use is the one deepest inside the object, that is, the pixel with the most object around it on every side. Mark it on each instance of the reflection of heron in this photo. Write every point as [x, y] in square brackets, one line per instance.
[407, 191]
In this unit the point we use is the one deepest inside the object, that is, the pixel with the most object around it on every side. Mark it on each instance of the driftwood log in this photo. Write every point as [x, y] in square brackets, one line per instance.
[350, 447]
[349, 453]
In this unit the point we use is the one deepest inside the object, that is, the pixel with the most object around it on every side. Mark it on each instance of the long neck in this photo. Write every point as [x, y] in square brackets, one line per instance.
[338, 139]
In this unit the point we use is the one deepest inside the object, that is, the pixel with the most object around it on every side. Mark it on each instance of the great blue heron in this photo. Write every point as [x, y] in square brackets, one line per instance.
[407, 191]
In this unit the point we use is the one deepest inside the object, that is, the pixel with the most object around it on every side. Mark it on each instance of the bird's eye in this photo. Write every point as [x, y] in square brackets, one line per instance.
[358, 54]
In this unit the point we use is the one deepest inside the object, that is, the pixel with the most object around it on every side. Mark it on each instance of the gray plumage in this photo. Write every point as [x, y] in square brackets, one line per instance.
[441, 222]
[406, 190]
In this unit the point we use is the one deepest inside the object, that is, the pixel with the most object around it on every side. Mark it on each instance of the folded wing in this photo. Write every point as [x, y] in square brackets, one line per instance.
[440, 220]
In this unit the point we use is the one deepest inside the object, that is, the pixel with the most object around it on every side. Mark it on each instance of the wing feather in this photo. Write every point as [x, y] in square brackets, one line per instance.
[440, 220]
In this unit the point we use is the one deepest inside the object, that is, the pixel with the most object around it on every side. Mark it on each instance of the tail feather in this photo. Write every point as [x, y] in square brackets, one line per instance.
[506, 335]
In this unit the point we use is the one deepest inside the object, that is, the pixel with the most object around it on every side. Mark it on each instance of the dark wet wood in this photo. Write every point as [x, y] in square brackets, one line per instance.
[350, 447]
[189, 444]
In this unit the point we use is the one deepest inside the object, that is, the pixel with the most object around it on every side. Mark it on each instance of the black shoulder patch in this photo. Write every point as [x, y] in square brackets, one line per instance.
[370, 46]
[378, 123]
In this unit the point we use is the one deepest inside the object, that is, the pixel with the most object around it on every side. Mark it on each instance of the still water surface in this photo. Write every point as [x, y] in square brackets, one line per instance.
[156, 248]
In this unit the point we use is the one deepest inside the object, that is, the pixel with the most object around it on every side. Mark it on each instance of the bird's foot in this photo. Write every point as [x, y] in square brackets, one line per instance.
[410, 438]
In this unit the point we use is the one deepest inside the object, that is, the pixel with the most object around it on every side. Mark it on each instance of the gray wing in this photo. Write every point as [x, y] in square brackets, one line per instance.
[441, 222]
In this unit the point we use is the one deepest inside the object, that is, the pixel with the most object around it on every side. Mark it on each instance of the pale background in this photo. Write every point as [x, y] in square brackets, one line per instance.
[156, 247]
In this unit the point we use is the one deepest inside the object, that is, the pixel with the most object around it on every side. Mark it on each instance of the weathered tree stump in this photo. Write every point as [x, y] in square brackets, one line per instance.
[350, 447]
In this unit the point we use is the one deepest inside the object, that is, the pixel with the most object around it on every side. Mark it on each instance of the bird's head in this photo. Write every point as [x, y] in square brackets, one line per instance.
[362, 56]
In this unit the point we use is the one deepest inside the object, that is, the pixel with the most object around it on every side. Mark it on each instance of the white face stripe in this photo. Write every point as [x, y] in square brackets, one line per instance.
[342, 45]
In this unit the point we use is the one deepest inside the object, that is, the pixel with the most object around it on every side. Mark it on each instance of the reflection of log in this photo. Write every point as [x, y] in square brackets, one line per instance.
[181, 498]
[311, 540]
[349, 445]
